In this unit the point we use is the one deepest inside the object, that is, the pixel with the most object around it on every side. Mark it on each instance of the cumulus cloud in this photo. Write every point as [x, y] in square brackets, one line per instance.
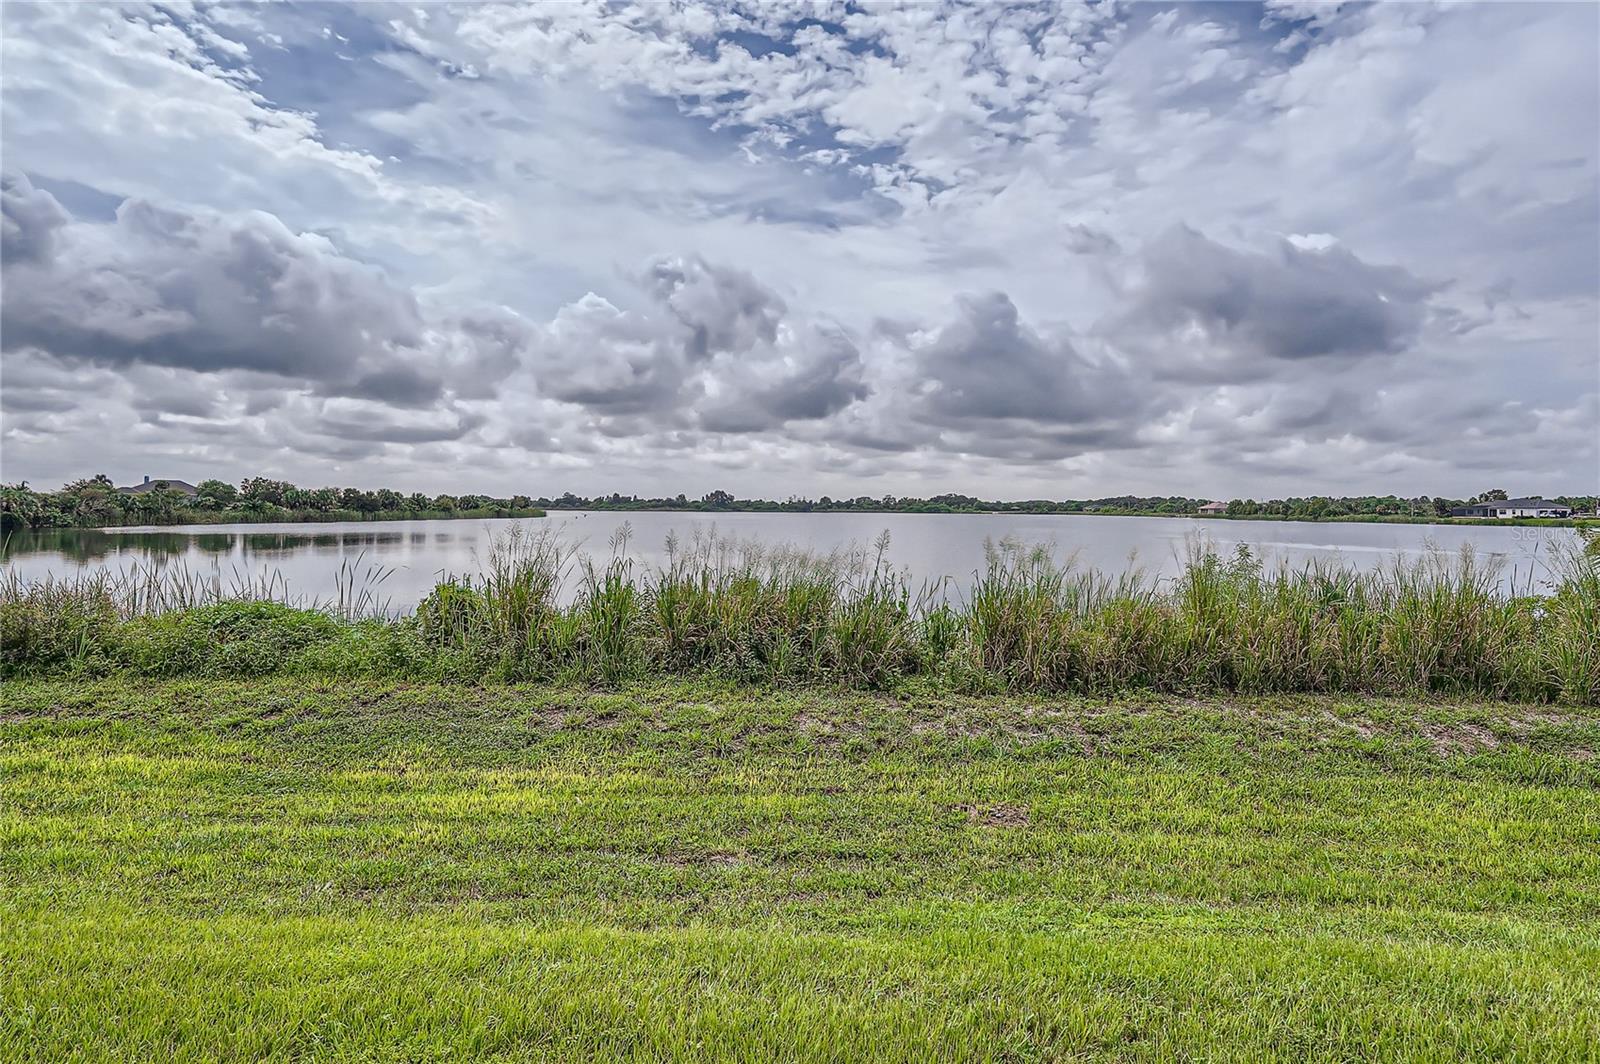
[723, 310]
[242, 299]
[609, 360]
[205, 292]
[31, 218]
[988, 364]
[1208, 308]
[711, 346]
[808, 376]
[987, 382]
[218, 294]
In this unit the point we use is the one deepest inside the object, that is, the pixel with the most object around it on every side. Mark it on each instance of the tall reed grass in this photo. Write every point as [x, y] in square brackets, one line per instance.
[1028, 621]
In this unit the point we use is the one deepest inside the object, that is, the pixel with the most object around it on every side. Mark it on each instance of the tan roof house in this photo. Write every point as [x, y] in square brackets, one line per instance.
[1214, 508]
[182, 487]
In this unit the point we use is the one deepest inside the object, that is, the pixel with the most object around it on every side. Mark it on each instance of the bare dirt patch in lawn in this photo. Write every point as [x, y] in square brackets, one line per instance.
[1001, 815]
[1452, 739]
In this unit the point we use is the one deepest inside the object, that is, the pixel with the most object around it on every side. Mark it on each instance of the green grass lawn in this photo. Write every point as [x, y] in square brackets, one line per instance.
[353, 871]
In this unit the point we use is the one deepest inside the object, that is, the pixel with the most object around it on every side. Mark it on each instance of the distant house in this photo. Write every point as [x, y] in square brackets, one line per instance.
[1214, 508]
[1506, 508]
[182, 487]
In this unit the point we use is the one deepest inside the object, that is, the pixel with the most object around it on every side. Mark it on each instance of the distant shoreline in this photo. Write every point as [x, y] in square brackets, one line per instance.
[1373, 519]
[490, 514]
[207, 518]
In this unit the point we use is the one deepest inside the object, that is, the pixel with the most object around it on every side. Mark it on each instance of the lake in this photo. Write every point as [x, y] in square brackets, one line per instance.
[415, 554]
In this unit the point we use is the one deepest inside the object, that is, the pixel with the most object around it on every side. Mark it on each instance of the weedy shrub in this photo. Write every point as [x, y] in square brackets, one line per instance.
[227, 639]
[743, 610]
[519, 620]
[1564, 658]
[610, 613]
[54, 625]
[377, 648]
[1126, 643]
[1013, 618]
[505, 622]
[941, 631]
[872, 636]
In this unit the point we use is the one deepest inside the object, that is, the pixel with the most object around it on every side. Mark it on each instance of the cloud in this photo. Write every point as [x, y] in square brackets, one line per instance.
[711, 346]
[1211, 307]
[359, 422]
[609, 360]
[808, 377]
[201, 291]
[987, 382]
[723, 310]
[212, 293]
[988, 364]
[31, 219]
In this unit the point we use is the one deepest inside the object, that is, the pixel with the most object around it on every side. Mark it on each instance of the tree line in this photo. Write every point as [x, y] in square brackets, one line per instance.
[95, 502]
[1318, 508]
[1310, 508]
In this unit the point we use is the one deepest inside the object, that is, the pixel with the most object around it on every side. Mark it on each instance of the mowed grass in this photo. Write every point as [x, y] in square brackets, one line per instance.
[689, 871]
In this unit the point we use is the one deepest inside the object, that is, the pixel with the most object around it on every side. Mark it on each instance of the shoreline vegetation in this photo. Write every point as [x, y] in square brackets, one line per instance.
[749, 612]
[1367, 509]
[686, 871]
[97, 503]
[1062, 510]
[313, 517]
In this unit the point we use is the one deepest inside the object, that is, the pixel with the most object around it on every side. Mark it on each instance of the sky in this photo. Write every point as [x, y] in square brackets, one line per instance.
[1056, 251]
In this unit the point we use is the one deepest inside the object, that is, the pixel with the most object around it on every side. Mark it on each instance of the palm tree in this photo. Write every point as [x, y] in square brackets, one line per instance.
[20, 506]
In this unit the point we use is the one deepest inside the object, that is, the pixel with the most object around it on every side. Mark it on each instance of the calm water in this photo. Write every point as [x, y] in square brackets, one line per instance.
[417, 553]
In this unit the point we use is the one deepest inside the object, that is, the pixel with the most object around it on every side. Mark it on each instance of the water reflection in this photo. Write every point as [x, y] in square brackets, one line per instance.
[86, 545]
[281, 542]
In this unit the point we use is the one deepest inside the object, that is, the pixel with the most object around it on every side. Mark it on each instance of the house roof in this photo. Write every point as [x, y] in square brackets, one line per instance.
[1515, 504]
[153, 483]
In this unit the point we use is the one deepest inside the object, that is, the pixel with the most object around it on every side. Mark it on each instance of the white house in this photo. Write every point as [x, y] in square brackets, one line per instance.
[1513, 508]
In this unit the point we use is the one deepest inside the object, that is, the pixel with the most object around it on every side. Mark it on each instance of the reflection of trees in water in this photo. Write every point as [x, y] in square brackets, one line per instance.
[86, 545]
[372, 539]
[282, 544]
[78, 545]
[89, 545]
[270, 544]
